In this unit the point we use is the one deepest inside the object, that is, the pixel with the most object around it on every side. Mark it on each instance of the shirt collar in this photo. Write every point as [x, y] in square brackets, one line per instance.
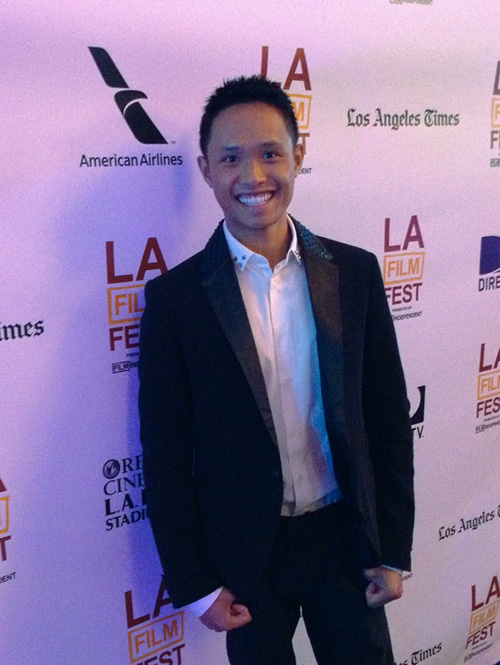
[241, 254]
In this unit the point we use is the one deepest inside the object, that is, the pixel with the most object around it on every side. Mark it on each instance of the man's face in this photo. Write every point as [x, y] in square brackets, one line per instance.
[251, 165]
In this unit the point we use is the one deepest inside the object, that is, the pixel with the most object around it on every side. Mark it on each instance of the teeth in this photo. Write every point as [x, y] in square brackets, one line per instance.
[254, 200]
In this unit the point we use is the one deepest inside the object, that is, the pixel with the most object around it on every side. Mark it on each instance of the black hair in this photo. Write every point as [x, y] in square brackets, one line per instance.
[245, 90]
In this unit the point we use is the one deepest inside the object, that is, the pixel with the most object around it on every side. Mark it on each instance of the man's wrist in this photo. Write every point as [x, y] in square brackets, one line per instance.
[396, 570]
[199, 607]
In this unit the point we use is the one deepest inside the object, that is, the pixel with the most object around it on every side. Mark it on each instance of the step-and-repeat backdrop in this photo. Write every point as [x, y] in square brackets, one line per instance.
[398, 103]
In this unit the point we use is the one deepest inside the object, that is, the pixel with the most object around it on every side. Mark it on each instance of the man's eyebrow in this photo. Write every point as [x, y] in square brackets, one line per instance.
[265, 144]
[271, 144]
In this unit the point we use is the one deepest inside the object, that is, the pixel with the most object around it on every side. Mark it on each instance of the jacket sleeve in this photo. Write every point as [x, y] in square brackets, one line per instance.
[167, 435]
[387, 421]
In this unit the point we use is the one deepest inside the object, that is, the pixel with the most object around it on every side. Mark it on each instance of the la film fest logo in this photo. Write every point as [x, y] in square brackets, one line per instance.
[485, 599]
[495, 118]
[417, 419]
[136, 118]
[489, 264]
[488, 388]
[126, 300]
[5, 536]
[124, 499]
[403, 267]
[10, 331]
[422, 655]
[297, 77]
[153, 638]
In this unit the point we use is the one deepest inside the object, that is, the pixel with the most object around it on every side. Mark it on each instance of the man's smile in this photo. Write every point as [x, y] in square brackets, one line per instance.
[254, 199]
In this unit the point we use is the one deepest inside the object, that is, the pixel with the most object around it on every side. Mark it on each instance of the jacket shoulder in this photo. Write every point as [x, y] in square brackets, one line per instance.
[189, 272]
[343, 252]
[353, 262]
[176, 277]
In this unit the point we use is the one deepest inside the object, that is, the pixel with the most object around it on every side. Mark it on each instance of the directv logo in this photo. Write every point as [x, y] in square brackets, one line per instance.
[417, 418]
[489, 263]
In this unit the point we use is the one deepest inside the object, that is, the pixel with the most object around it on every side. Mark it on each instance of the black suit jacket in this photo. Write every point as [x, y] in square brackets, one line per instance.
[211, 462]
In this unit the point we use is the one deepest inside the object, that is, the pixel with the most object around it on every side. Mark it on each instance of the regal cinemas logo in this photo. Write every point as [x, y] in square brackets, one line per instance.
[153, 638]
[5, 537]
[124, 499]
[403, 268]
[126, 300]
[297, 77]
[483, 618]
[489, 264]
[495, 118]
[488, 388]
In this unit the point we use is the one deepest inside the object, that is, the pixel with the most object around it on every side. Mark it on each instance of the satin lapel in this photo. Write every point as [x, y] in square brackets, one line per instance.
[221, 286]
[323, 280]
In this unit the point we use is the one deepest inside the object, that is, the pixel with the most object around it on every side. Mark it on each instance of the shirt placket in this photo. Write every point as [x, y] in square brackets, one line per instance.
[283, 354]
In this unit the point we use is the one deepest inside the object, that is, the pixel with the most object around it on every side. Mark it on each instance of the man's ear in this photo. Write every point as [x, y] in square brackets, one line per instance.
[205, 170]
[298, 157]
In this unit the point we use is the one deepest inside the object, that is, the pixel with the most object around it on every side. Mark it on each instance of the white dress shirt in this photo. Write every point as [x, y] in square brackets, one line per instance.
[279, 310]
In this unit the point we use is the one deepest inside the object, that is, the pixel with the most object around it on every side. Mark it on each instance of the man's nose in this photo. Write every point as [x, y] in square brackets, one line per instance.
[254, 171]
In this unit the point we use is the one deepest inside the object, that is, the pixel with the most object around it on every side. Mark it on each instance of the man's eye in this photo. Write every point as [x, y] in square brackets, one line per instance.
[229, 159]
[270, 154]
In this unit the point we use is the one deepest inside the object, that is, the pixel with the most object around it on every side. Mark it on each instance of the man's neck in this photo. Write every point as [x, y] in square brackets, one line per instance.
[272, 243]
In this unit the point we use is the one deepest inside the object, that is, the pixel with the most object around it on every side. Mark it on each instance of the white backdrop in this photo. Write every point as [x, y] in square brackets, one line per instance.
[399, 107]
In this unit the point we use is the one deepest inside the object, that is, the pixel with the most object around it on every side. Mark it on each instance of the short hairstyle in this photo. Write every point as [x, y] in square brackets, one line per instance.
[245, 90]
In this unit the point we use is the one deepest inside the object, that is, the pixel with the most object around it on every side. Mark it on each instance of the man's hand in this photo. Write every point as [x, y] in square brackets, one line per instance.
[385, 585]
[225, 614]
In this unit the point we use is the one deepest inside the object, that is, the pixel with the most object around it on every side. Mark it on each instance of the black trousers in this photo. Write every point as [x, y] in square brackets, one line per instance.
[313, 573]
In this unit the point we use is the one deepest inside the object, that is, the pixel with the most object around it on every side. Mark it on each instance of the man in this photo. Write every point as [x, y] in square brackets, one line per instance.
[274, 417]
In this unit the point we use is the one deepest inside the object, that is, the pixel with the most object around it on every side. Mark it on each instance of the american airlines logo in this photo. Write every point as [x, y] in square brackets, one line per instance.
[139, 122]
